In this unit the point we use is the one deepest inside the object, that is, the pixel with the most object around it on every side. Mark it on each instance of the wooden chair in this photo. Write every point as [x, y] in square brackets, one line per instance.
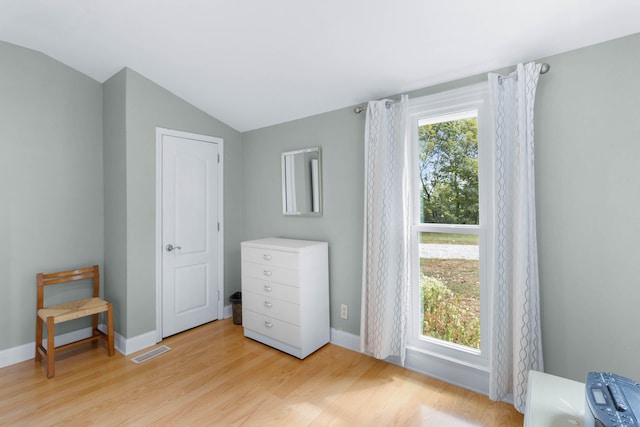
[68, 311]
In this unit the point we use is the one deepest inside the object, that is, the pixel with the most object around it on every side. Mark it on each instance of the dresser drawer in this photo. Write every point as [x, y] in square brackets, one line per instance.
[272, 307]
[270, 257]
[273, 328]
[271, 273]
[269, 289]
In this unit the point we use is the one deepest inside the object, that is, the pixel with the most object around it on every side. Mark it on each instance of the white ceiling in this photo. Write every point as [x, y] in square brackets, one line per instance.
[255, 63]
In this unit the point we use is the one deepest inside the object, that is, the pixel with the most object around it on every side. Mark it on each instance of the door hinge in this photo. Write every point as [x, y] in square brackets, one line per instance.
[218, 158]
[218, 226]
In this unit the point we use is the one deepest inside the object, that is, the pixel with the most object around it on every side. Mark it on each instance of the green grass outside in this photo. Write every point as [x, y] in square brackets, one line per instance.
[449, 238]
[454, 312]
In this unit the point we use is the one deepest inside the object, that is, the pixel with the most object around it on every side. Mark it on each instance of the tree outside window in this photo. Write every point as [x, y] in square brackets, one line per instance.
[448, 156]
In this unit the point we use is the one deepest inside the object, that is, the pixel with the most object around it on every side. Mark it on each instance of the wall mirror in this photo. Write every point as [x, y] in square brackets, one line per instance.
[302, 182]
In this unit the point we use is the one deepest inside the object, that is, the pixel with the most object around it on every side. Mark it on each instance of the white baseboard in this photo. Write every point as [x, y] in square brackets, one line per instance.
[124, 345]
[128, 346]
[227, 311]
[27, 351]
[467, 377]
[464, 376]
[17, 354]
[345, 339]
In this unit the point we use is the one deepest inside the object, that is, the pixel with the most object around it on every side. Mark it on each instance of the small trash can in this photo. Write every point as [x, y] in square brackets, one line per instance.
[236, 306]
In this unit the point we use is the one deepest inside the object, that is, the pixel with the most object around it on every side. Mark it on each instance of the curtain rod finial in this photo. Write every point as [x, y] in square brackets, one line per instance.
[544, 68]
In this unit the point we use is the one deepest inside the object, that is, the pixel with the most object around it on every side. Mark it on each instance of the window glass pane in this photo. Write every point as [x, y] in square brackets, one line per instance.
[448, 165]
[450, 287]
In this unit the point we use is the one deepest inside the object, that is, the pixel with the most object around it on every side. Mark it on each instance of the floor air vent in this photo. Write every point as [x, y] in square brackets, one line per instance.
[151, 354]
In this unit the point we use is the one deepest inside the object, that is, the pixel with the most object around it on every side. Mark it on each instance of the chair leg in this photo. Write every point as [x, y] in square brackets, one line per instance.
[38, 338]
[110, 332]
[51, 349]
[94, 320]
[94, 331]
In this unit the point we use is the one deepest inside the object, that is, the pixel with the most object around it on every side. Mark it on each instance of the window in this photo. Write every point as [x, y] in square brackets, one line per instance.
[451, 229]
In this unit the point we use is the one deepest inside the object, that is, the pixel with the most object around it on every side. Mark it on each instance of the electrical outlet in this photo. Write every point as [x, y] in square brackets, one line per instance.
[344, 311]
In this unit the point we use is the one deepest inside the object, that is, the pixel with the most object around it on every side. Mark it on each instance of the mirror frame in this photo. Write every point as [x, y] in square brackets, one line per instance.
[286, 178]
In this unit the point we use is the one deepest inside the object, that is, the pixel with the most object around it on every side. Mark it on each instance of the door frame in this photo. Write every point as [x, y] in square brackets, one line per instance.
[159, 249]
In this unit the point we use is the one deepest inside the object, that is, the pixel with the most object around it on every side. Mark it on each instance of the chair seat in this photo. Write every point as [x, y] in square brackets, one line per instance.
[73, 310]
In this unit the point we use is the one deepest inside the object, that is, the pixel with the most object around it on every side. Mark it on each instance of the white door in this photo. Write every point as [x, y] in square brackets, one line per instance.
[190, 235]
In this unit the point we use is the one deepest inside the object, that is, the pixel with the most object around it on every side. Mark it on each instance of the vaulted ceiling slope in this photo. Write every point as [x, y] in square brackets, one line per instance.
[255, 63]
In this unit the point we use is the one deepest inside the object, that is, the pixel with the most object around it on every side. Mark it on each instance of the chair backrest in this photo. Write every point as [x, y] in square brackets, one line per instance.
[66, 277]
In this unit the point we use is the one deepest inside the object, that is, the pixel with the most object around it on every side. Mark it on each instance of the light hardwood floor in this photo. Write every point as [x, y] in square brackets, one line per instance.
[215, 376]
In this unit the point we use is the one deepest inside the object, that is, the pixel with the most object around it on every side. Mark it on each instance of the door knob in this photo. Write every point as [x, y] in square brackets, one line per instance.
[170, 247]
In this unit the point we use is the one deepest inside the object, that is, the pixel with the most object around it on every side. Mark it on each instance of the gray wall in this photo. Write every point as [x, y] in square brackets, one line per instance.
[339, 134]
[587, 188]
[51, 215]
[115, 203]
[147, 106]
[65, 205]
[588, 176]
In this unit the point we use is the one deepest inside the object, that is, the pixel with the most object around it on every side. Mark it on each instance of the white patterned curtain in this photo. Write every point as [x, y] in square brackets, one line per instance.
[516, 344]
[385, 246]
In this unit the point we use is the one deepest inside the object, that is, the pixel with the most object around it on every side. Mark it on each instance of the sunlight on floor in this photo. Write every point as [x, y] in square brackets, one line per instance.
[433, 417]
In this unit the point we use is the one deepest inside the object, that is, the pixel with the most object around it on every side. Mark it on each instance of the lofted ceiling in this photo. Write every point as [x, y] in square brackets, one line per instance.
[255, 63]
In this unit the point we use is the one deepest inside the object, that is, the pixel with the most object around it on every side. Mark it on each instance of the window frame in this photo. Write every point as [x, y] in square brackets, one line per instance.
[474, 97]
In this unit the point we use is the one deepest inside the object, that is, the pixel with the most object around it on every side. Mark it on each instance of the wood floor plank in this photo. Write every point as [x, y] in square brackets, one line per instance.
[213, 376]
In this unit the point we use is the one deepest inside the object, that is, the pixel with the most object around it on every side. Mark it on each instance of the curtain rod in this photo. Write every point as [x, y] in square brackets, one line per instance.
[359, 109]
[544, 69]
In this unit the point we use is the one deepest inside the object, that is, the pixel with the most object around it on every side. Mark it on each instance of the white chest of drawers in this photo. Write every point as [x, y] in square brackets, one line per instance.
[285, 294]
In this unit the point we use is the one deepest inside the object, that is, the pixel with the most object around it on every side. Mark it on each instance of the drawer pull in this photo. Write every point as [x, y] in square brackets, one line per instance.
[268, 324]
[267, 273]
[268, 304]
[266, 257]
[268, 288]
